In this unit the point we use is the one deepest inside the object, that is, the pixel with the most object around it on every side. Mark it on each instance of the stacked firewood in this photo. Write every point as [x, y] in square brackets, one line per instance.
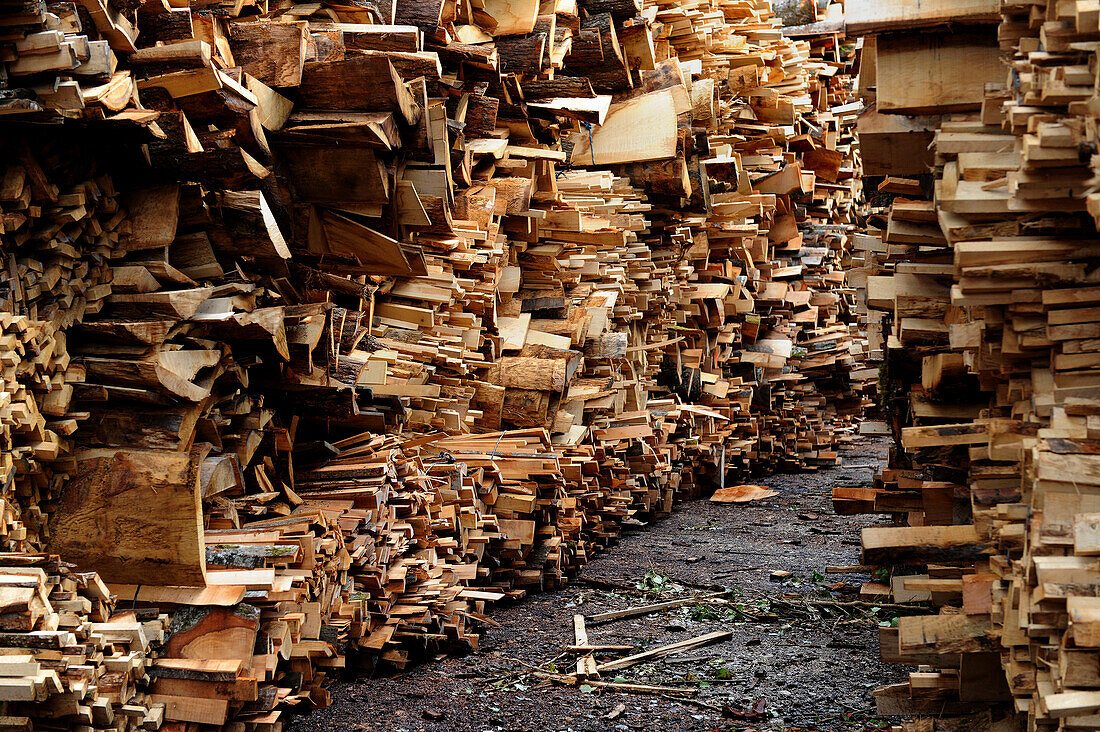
[985, 277]
[69, 659]
[328, 326]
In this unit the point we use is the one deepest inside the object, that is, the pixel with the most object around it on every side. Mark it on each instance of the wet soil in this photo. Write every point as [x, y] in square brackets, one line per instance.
[795, 659]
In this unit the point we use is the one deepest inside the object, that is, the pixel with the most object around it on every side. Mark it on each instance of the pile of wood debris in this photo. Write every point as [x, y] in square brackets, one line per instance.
[327, 325]
[982, 282]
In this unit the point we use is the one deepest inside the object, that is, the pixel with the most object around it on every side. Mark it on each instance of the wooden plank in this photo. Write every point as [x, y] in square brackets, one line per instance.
[679, 646]
[192, 709]
[955, 434]
[134, 516]
[643, 128]
[885, 546]
[935, 73]
[868, 16]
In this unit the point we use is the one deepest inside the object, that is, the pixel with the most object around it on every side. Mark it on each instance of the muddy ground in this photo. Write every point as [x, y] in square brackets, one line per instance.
[790, 663]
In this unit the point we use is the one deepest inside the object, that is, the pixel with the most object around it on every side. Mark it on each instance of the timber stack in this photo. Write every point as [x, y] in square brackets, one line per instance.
[326, 326]
[983, 278]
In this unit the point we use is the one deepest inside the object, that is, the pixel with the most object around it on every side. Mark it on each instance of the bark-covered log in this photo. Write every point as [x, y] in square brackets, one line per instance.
[521, 54]
[481, 116]
[620, 10]
[560, 86]
[424, 14]
[457, 53]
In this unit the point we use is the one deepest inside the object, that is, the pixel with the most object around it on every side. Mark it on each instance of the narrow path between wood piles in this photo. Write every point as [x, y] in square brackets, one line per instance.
[788, 664]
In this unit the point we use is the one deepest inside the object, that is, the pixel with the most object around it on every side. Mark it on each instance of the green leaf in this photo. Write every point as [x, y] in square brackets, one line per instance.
[586, 689]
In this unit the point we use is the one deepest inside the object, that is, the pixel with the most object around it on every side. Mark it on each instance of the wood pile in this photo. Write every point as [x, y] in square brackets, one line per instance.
[327, 326]
[69, 660]
[983, 278]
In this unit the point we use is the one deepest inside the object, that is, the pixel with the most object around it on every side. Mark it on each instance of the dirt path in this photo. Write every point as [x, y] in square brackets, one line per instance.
[787, 664]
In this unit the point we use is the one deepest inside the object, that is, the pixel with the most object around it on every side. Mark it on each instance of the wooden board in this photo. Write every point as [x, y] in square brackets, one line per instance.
[378, 253]
[134, 516]
[643, 128]
[921, 544]
[865, 16]
[935, 73]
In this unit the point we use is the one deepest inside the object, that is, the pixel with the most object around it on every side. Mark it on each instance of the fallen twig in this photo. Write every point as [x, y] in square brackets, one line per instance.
[684, 645]
[616, 586]
[570, 680]
[633, 612]
[693, 702]
[864, 603]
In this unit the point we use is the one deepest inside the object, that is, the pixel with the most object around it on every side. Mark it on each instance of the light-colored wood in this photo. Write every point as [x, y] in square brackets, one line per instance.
[864, 16]
[678, 647]
[640, 129]
[511, 16]
[935, 73]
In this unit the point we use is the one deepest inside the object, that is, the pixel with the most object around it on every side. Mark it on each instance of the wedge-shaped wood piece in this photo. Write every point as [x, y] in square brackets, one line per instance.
[114, 94]
[272, 108]
[143, 374]
[134, 516]
[112, 25]
[377, 252]
[133, 278]
[252, 228]
[141, 332]
[174, 304]
[221, 322]
[592, 110]
[363, 82]
[186, 83]
[377, 130]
